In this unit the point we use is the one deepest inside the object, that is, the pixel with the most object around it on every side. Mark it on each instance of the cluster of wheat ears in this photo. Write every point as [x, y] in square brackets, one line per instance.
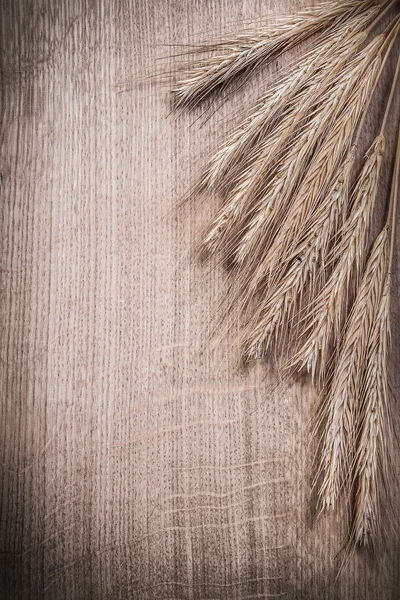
[294, 227]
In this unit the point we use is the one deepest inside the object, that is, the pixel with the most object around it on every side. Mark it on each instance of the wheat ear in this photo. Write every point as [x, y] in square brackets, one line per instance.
[339, 407]
[301, 266]
[290, 233]
[371, 458]
[264, 266]
[247, 52]
[371, 452]
[326, 311]
[284, 98]
[265, 188]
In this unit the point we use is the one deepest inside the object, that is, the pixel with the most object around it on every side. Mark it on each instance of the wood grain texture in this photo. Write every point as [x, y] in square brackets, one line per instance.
[137, 459]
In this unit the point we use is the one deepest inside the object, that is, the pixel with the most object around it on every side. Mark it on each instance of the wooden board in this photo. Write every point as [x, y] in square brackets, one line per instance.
[138, 459]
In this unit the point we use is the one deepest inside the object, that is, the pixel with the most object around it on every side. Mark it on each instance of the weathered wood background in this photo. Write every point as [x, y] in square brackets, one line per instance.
[138, 460]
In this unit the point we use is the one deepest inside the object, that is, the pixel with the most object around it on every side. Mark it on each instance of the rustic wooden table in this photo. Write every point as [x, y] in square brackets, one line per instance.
[139, 460]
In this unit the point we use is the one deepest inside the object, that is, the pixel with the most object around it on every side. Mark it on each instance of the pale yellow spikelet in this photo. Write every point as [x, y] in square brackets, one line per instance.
[374, 422]
[247, 52]
[371, 451]
[267, 185]
[264, 261]
[285, 98]
[340, 404]
[300, 267]
[295, 239]
[334, 145]
[326, 311]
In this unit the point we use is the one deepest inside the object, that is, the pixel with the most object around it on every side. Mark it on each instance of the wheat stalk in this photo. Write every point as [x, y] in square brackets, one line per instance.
[249, 51]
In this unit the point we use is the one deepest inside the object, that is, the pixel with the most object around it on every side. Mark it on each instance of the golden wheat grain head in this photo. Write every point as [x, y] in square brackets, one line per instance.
[340, 406]
[245, 53]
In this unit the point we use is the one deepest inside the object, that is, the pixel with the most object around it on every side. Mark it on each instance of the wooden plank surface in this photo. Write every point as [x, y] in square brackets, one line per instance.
[137, 458]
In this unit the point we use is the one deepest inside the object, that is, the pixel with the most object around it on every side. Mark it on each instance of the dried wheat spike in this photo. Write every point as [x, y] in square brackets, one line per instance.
[314, 69]
[259, 203]
[247, 52]
[294, 240]
[263, 265]
[374, 424]
[347, 256]
[301, 267]
[340, 405]
[273, 174]
[371, 451]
